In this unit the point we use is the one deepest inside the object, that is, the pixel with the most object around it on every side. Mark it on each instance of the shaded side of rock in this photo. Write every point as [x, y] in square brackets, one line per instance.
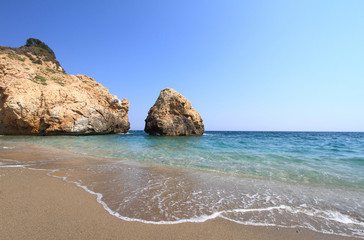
[173, 115]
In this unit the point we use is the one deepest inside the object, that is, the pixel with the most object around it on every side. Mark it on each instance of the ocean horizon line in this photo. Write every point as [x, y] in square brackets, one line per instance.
[278, 131]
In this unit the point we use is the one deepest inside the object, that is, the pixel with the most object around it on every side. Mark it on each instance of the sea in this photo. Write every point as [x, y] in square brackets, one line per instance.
[308, 180]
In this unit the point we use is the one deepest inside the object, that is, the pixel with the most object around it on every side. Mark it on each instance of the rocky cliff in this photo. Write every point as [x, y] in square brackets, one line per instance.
[37, 97]
[173, 115]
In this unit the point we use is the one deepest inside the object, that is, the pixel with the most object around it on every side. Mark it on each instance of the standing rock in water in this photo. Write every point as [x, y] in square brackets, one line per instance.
[173, 115]
[37, 97]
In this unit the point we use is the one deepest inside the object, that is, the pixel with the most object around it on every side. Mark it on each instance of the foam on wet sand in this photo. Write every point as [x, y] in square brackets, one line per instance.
[36, 206]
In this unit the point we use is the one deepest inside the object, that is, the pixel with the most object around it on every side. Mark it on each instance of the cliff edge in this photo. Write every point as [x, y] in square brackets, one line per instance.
[37, 97]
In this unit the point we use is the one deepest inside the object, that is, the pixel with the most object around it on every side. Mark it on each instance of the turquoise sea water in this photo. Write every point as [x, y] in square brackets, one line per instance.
[303, 179]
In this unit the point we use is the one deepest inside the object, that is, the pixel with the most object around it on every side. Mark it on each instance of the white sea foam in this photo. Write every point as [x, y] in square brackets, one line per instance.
[325, 214]
[342, 218]
[5, 165]
[226, 214]
[13, 166]
[6, 147]
[9, 160]
[204, 218]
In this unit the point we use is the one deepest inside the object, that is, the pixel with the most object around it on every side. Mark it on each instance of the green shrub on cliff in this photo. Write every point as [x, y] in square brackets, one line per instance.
[33, 42]
[41, 50]
[50, 70]
[36, 50]
[40, 80]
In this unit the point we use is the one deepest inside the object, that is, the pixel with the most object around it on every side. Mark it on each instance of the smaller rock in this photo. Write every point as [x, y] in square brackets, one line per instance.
[173, 115]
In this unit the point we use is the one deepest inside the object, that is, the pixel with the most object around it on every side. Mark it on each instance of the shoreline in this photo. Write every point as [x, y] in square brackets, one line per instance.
[37, 206]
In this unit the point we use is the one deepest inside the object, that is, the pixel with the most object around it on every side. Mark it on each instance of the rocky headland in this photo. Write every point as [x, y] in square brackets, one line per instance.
[173, 115]
[37, 97]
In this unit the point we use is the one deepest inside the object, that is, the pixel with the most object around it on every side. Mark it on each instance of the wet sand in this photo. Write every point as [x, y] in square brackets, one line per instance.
[36, 206]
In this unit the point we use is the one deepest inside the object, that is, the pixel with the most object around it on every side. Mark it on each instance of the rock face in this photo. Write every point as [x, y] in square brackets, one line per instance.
[173, 115]
[37, 97]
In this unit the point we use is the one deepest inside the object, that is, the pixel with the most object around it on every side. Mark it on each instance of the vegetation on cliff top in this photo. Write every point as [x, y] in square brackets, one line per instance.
[36, 50]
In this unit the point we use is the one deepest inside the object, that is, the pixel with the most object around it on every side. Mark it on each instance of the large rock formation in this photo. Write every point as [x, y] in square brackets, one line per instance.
[37, 97]
[173, 115]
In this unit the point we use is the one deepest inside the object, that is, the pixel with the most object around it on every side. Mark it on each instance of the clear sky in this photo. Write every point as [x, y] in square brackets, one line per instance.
[244, 65]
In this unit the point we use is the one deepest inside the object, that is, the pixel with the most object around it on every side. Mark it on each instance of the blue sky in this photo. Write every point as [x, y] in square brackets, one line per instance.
[244, 65]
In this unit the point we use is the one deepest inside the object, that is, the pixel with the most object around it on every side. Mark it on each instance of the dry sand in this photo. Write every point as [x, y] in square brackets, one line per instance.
[36, 206]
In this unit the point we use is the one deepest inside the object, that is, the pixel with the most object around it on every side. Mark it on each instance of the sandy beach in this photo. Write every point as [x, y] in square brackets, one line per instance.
[36, 206]
[182, 120]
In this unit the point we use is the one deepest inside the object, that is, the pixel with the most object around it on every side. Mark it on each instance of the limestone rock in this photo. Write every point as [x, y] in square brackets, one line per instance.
[173, 115]
[37, 97]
